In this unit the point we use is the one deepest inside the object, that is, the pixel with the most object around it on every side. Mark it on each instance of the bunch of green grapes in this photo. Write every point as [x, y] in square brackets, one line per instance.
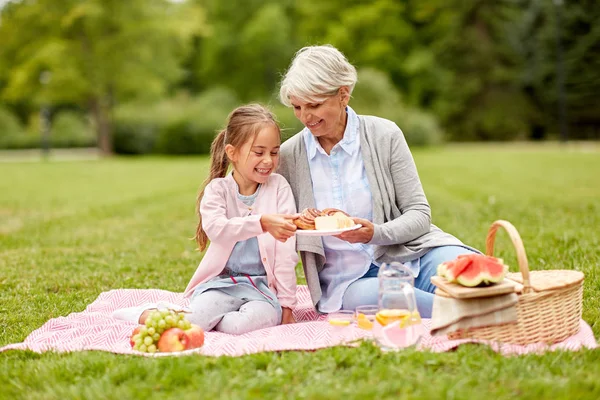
[158, 321]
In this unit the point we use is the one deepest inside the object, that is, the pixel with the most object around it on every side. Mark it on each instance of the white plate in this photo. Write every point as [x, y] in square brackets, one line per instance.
[313, 232]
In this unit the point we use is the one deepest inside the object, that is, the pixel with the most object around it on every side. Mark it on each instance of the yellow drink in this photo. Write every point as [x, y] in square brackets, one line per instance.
[406, 318]
[364, 322]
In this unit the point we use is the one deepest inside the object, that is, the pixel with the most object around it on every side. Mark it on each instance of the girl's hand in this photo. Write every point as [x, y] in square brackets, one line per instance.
[280, 226]
[364, 234]
[286, 316]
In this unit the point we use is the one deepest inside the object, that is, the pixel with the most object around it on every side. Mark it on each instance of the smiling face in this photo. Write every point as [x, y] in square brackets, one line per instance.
[256, 159]
[325, 119]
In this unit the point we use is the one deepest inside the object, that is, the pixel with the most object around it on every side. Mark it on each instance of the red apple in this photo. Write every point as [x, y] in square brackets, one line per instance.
[196, 337]
[173, 339]
[135, 332]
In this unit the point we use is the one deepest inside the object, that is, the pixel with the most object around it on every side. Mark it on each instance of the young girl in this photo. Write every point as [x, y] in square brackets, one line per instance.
[246, 280]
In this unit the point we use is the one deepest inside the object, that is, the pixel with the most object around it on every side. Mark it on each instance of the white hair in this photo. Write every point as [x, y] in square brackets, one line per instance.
[316, 73]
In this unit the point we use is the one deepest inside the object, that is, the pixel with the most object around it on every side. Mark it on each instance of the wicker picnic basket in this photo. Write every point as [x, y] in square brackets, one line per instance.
[549, 306]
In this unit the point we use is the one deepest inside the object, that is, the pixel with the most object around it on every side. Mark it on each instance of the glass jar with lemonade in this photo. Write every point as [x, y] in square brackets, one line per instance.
[398, 321]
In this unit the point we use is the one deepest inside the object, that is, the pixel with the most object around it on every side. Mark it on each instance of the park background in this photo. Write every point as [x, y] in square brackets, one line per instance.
[498, 100]
[158, 76]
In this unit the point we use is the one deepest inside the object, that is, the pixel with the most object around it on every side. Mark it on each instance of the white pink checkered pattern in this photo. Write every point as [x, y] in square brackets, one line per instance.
[95, 329]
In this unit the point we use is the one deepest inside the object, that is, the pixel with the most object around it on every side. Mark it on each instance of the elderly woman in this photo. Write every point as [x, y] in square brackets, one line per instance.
[363, 166]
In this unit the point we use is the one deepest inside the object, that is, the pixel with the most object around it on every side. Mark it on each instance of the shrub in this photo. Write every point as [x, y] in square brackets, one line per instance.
[71, 129]
[178, 125]
[12, 134]
[375, 94]
[134, 136]
[194, 128]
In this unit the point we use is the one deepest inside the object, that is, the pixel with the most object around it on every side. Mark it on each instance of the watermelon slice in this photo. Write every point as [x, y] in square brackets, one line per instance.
[443, 267]
[461, 263]
[495, 269]
[482, 270]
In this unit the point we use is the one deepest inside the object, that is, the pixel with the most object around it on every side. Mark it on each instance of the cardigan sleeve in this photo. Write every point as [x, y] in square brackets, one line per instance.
[214, 217]
[286, 255]
[415, 218]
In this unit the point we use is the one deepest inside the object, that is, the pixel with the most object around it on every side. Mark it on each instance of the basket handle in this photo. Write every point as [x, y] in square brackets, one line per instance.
[517, 242]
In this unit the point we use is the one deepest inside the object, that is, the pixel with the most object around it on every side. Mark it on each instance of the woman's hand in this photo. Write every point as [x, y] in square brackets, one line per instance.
[286, 316]
[280, 226]
[364, 234]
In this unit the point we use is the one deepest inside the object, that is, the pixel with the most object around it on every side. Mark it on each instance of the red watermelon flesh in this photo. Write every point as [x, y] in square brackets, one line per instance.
[471, 276]
[483, 270]
[457, 267]
[495, 270]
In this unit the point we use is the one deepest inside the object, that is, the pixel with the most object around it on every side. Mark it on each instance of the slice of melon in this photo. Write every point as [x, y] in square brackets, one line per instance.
[495, 270]
[483, 270]
[472, 275]
[442, 268]
[461, 263]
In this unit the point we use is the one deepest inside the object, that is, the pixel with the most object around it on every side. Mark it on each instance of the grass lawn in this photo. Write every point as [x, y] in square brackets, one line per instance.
[71, 230]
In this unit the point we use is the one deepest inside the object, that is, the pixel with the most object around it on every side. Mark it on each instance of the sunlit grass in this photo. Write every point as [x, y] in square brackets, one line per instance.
[71, 230]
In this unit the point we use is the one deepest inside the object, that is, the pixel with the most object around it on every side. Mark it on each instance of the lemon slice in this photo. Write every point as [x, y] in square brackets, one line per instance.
[363, 322]
[386, 316]
[339, 322]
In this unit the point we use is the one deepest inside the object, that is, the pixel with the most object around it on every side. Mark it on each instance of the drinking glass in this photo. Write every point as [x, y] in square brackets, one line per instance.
[340, 325]
[365, 316]
[397, 323]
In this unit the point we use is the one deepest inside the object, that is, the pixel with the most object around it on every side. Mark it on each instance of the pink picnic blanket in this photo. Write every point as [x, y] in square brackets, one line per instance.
[95, 329]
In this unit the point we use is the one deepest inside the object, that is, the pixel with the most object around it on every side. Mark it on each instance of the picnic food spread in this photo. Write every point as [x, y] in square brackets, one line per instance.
[542, 306]
[326, 219]
[166, 331]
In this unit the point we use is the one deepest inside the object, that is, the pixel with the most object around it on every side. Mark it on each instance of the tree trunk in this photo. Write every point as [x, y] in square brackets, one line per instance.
[101, 115]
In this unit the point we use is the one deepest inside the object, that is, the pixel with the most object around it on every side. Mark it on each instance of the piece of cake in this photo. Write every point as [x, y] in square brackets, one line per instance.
[331, 222]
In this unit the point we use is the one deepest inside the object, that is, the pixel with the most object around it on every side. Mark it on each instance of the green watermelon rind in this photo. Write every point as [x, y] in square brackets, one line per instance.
[483, 276]
[477, 278]
[497, 277]
[441, 269]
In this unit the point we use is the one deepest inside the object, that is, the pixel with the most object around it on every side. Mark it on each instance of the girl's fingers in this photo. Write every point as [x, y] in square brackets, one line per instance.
[290, 226]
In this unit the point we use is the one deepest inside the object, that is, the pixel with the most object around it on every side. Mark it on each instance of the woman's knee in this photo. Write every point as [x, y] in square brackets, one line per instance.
[442, 254]
[430, 262]
[362, 292]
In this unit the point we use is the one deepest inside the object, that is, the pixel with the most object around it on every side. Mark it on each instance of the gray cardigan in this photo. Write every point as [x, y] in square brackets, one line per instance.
[401, 214]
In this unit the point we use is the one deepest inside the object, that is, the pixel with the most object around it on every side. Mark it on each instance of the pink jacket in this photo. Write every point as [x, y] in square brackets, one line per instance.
[226, 220]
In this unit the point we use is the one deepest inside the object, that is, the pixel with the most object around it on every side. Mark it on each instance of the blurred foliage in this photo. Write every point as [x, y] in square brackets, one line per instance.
[177, 125]
[94, 53]
[71, 129]
[376, 95]
[161, 76]
[9, 124]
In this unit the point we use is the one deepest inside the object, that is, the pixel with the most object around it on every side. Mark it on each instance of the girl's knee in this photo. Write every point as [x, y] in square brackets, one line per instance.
[252, 316]
[208, 309]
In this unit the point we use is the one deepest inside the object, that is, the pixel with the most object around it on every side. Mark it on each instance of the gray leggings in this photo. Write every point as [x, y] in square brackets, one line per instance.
[216, 310]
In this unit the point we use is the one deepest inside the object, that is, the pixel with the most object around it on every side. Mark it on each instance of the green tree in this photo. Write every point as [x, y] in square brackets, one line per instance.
[380, 34]
[579, 33]
[481, 96]
[248, 46]
[98, 52]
